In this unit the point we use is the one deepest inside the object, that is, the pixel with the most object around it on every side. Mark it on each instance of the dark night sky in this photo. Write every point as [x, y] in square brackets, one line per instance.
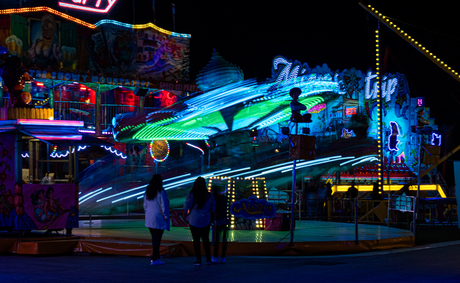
[339, 33]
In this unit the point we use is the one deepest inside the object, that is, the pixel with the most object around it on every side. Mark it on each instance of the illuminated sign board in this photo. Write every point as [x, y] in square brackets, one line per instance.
[97, 6]
[253, 208]
[351, 110]
[420, 101]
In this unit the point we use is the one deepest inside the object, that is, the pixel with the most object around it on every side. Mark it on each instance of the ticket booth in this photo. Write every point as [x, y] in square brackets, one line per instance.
[38, 192]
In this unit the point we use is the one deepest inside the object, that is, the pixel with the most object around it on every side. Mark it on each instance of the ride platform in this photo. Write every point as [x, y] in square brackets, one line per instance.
[129, 237]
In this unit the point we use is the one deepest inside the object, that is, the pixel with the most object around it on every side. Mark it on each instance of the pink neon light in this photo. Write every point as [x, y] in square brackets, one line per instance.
[89, 9]
[52, 138]
[50, 122]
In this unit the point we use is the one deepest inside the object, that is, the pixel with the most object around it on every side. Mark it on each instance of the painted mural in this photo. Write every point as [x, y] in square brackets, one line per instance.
[147, 53]
[53, 47]
[51, 206]
[43, 42]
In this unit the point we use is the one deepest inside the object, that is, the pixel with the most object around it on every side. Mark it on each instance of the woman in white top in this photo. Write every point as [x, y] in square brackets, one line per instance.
[156, 206]
[199, 205]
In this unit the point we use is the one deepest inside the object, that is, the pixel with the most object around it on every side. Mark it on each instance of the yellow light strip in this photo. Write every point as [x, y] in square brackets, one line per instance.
[49, 10]
[379, 108]
[368, 188]
[387, 21]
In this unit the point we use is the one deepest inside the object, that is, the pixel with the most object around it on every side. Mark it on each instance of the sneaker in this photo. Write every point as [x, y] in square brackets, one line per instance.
[214, 260]
[209, 262]
[156, 262]
[197, 263]
[222, 260]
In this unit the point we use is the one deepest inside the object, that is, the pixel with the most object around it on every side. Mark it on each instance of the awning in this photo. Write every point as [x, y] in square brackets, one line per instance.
[54, 132]
[64, 137]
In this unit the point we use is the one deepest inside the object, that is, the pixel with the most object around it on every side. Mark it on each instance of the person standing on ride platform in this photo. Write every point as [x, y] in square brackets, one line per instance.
[156, 206]
[352, 191]
[296, 107]
[199, 205]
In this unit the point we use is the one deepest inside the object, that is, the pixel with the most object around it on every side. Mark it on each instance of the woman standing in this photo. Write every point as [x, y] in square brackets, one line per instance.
[221, 223]
[156, 206]
[199, 205]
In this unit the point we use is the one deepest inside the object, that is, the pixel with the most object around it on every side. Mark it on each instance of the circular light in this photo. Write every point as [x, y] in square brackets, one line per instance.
[159, 150]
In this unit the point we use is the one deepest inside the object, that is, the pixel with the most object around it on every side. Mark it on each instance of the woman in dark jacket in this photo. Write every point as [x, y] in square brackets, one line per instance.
[199, 205]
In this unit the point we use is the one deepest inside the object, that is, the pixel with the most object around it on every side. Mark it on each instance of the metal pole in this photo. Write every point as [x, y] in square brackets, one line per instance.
[414, 224]
[60, 101]
[293, 196]
[388, 208]
[356, 221]
[300, 199]
[202, 163]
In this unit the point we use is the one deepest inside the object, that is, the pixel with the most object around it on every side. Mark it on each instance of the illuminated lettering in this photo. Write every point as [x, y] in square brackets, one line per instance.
[288, 70]
[420, 101]
[89, 6]
[387, 89]
[253, 208]
[368, 93]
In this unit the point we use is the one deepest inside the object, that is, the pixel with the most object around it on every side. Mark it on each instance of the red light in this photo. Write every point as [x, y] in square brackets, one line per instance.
[40, 84]
[82, 87]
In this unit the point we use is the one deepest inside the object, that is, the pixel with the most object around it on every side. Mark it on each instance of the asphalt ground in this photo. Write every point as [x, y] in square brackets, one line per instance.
[425, 263]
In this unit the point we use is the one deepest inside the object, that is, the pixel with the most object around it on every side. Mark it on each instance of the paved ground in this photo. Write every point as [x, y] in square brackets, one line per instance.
[427, 263]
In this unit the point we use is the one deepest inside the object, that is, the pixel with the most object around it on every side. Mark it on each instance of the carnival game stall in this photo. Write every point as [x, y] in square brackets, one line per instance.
[37, 191]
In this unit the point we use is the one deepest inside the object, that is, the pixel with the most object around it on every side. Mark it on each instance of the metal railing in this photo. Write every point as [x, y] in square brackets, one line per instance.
[75, 111]
[108, 111]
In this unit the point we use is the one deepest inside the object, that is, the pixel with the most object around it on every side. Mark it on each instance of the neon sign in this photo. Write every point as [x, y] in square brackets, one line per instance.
[393, 140]
[420, 101]
[388, 87]
[97, 6]
[435, 139]
[317, 108]
[253, 208]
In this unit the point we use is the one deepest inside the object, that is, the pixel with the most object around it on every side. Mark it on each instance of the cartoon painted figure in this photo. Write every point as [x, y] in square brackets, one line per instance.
[52, 206]
[38, 200]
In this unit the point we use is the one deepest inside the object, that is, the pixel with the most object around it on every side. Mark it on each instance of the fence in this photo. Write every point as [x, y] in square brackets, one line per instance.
[109, 111]
[76, 111]
[432, 211]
